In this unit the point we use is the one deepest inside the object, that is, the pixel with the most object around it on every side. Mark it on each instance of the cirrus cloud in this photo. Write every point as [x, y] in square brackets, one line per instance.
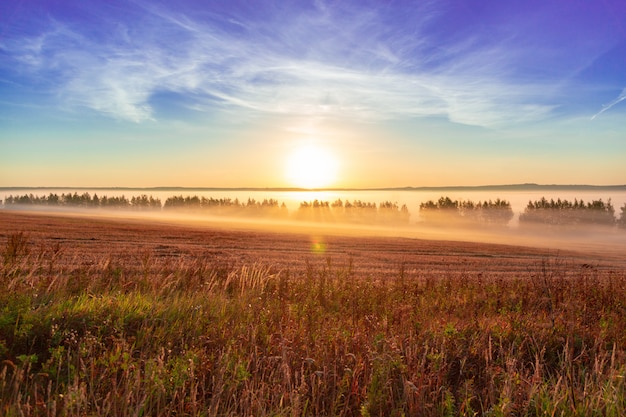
[313, 63]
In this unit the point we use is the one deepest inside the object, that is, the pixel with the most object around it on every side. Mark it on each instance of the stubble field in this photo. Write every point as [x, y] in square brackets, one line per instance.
[127, 317]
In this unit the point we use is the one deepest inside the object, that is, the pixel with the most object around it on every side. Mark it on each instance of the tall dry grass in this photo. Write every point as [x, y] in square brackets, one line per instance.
[149, 336]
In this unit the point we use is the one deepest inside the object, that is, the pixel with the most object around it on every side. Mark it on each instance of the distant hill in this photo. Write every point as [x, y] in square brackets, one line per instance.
[519, 187]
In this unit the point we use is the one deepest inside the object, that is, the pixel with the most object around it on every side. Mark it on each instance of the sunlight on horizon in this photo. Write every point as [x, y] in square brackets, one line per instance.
[311, 166]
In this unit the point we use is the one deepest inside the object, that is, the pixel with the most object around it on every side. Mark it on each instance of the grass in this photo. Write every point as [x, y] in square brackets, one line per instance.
[150, 336]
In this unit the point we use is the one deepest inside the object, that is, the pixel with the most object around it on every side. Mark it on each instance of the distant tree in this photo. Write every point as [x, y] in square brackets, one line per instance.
[154, 203]
[498, 212]
[564, 212]
[621, 222]
[143, 202]
[118, 202]
[443, 211]
[467, 213]
[389, 212]
[174, 202]
[53, 200]
[224, 206]
[337, 204]
[284, 212]
[355, 211]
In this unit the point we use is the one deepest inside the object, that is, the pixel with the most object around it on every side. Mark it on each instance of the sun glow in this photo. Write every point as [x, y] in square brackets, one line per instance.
[311, 166]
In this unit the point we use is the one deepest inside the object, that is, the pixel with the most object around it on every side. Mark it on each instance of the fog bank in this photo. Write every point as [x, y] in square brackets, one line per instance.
[608, 243]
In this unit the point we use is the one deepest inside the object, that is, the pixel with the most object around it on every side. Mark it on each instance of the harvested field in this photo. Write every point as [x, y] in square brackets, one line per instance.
[115, 317]
[123, 240]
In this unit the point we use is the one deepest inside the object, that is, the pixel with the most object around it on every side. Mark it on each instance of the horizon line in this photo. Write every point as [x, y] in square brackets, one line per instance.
[299, 189]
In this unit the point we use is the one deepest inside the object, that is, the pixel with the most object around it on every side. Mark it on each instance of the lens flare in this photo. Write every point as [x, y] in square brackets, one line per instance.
[318, 246]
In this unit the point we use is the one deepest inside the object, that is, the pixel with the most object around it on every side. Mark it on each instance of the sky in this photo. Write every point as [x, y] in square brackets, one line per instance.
[377, 93]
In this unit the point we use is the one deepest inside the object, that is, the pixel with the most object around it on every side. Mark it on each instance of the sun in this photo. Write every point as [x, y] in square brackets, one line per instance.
[311, 166]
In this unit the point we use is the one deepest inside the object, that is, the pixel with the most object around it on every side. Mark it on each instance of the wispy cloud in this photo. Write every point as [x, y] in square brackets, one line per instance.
[324, 63]
[606, 107]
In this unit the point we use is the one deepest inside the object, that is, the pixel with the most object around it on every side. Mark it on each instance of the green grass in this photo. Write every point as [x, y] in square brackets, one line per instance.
[150, 337]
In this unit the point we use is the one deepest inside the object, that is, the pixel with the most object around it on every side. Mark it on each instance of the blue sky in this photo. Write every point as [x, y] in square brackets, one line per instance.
[220, 93]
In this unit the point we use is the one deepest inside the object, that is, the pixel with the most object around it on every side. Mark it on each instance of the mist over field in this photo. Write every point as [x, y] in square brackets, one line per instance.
[605, 241]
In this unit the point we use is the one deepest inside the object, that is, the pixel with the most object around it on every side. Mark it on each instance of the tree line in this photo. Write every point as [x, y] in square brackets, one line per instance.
[355, 211]
[566, 213]
[227, 206]
[84, 200]
[448, 211]
[544, 212]
[443, 211]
